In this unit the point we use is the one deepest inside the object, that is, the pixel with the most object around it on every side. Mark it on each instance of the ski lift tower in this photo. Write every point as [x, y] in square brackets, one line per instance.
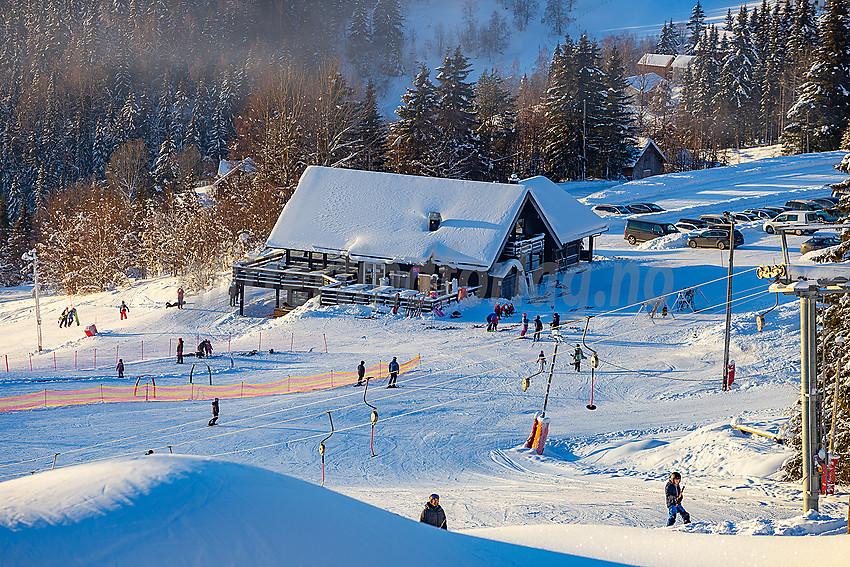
[808, 282]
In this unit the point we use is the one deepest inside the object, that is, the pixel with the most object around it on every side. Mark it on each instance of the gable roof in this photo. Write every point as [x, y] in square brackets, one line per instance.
[656, 60]
[682, 61]
[566, 217]
[644, 81]
[646, 144]
[384, 216]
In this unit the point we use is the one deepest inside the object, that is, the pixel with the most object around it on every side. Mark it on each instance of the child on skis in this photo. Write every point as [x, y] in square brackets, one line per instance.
[674, 494]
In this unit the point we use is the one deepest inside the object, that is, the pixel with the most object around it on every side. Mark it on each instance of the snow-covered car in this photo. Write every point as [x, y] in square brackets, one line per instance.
[611, 209]
[762, 213]
[714, 220]
[792, 218]
[638, 208]
[696, 222]
[687, 226]
[825, 201]
[777, 210]
[744, 217]
[714, 238]
[803, 205]
[819, 242]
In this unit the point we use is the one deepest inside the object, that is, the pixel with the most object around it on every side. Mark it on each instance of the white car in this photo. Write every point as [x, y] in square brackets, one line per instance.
[792, 218]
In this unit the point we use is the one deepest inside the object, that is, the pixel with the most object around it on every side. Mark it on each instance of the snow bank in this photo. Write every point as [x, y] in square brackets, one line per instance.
[177, 510]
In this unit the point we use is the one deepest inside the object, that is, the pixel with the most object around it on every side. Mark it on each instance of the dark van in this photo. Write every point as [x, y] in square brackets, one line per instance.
[641, 230]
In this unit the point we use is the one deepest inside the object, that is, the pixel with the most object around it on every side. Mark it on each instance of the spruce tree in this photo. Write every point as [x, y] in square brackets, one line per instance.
[459, 147]
[387, 35]
[617, 142]
[371, 133]
[495, 110]
[415, 131]
[821, 113]
[696, 27]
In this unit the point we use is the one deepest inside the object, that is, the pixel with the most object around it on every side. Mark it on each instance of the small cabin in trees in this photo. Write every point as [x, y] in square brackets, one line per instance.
[649, 161]
[670, 67]
[352, 236]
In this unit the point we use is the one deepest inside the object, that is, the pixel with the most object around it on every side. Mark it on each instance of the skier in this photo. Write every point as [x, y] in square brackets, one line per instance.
[433, 513]
[199, 352]
[538, 326]
[393, 369]
[120, 368]
[491, 318]
[578, 356]
[215, 412]
[542, 360]
[674, 494]
[123, 310]
[63, 318]
[180, 351]
[361, 372]
[207, 348]
[555, 325]
[524, 324]
[179, 298]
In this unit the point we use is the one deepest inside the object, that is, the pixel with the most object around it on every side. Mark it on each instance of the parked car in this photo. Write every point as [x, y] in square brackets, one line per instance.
[652, 206]
[826, 202]
[835, 200]
[777, 210]
[688, 226]
[638, 208]
[714, 238]
[762, 213]
[611, 209]
[828, 215]
[744, 217]
[790, 218]
[641, 231]
[803, 205]
[819, 242]
[714, 220]
[696, 222]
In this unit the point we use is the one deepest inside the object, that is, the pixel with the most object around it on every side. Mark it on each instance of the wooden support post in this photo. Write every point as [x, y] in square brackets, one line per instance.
[277, 298]
[241, 300]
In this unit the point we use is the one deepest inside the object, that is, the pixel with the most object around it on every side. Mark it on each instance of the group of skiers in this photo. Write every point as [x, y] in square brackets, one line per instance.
[68, 316]
[393, 368]
[204, 349]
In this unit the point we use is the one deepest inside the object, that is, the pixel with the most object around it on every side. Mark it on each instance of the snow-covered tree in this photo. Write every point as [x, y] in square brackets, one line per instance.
[696, 27]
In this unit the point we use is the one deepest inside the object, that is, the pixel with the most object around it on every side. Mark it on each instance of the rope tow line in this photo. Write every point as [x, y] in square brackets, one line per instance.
[322, 447]
[373, 418]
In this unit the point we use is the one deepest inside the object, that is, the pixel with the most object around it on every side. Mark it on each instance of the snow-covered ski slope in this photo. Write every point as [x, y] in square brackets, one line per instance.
[457, 425]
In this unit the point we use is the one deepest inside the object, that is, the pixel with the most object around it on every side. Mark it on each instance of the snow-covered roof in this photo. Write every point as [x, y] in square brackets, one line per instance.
[682, 61]
[384, 216]
[568, 219]
[656, 60]
[646, 81]
[226, 166]
[643, 145]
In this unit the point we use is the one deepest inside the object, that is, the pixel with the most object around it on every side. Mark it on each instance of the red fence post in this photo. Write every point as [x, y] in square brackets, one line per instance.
[292, 341]
[30, 362]
[326, 343]
[7, 363]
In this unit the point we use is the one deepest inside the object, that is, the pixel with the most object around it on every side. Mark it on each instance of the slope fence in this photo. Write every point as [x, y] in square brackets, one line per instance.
[147, 390]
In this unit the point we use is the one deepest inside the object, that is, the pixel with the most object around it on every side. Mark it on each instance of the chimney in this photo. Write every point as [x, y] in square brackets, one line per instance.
[513, 179]
[434, 220]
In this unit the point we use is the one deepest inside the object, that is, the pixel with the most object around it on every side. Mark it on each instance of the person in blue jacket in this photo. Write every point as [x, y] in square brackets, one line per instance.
[393, 369]
[674, 493]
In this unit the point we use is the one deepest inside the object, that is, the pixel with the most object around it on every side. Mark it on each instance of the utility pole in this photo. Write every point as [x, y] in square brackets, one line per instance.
[728, 300]
[32, 256]
[809, 399]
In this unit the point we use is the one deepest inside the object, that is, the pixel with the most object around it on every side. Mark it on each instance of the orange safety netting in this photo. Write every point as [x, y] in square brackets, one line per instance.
[151, 392]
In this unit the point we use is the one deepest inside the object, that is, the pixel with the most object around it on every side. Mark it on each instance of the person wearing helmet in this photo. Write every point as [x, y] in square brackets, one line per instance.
[179, 350]
[674, 494]
[524, 324]
[433, 513]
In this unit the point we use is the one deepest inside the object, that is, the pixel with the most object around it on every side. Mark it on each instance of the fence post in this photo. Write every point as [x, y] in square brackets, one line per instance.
[292, 341]
[241, 389]
[101, 393]
[116, 354]
[54, 361]
[45, 397]
[75, 360]
[260, 344]
[326, 342]
[7, 363]
[30, 362]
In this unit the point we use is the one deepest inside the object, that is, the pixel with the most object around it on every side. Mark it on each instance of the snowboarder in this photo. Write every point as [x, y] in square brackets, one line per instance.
[524, 324]
[120, 368]
[179, 298]
[123, 310]
[538, 326]
[542, 361]
[393, 370]
[180, 351]
[361, 372]
[215, 412]
[578, 356]
[674, 494]
[433, 513]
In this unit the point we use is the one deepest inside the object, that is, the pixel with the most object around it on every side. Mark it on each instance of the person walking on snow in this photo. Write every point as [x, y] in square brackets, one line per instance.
[120, 368]
[538, 326]
[524, 324]
[433, 513]
[555, 325]
[180, 351]
[123, 310]
[578, 356]
[542, 360]
[361, 372]
[393, 369]
[179, 298]
[674, 494]
[215, 412]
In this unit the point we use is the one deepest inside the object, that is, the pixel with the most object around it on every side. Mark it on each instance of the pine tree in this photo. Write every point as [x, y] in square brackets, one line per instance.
[387, 35]
[821, 113]
[413, 134]
[458, 147]
[696, 26]
[165, 169]
[668, 42]
[371, 133]
[617, 142]
[359, 36]
[495, 110]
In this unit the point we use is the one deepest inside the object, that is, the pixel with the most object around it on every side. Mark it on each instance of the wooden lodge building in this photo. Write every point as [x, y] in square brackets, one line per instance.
[364, 237]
